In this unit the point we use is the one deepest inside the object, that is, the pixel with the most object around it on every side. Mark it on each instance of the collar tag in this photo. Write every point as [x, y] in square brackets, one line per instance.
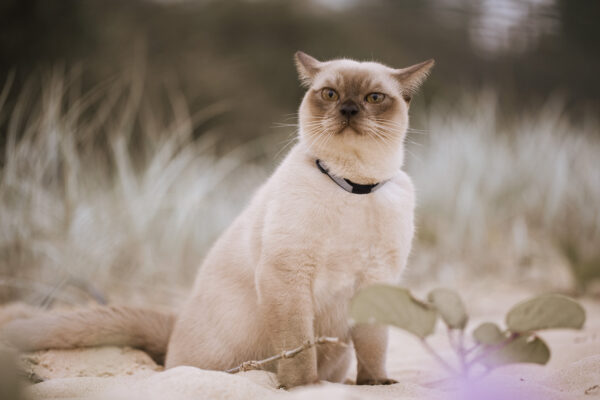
[347, 184]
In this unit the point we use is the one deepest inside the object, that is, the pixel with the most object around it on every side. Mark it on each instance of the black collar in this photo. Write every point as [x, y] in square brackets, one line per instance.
[347, 184]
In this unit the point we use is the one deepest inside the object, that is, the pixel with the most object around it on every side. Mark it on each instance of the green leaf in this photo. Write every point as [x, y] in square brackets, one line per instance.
[550, 311]
[450, 306]
[392, 305]
[488, 333]
[524, 349]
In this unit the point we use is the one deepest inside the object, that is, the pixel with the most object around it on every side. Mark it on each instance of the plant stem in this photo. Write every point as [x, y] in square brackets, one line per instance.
[451, 339]
[462, 355]
[492, 349]
[472, 349]
[437, 357]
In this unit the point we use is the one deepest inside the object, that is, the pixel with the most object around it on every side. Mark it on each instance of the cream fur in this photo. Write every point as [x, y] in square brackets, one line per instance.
[286, 269]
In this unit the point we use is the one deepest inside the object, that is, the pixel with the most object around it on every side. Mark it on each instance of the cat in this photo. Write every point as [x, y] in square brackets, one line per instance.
[336, 216]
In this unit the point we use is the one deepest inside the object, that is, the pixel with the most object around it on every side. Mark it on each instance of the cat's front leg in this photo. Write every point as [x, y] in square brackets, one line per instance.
[370, 344]
[286, 306]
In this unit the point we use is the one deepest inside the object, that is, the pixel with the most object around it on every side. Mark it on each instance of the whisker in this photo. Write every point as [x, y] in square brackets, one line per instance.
[419, 132]
[388, 122]
[407, 140]
[414, 155]
[288, 143]
[379, 136]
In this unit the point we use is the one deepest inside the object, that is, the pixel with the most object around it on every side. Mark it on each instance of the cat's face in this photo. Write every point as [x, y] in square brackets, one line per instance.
[355, 106]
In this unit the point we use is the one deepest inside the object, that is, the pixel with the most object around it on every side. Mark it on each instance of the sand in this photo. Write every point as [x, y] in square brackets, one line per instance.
[123, 373]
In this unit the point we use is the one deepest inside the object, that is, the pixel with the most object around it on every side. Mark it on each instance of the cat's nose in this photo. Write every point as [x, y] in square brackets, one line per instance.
[349, 108]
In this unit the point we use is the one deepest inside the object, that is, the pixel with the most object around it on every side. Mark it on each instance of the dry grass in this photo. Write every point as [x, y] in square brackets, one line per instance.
[517, 198]
[104, 188]
[85, 199]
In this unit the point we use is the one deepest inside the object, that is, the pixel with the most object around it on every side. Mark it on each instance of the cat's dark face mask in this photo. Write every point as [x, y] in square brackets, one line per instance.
[355, 104]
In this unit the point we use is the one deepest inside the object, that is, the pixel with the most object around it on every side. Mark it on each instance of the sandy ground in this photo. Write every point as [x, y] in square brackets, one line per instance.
[121, 373]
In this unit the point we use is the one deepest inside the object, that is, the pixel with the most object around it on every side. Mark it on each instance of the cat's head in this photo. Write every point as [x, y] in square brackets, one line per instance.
[355, 114]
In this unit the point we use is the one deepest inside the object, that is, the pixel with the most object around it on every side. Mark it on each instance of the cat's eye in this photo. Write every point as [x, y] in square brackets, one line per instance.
[375, 98]
[329, 94]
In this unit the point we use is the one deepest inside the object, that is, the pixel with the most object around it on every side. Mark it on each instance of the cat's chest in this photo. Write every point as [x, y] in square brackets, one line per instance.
[355, 240]
[358, 244]
[347, 240]
[358, 230]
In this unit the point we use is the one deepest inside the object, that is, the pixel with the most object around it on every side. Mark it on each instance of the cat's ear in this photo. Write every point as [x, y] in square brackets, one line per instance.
[308, 67]
[412, 77]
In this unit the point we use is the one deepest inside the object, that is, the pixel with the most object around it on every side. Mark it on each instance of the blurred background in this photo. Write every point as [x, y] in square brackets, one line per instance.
[133, 131]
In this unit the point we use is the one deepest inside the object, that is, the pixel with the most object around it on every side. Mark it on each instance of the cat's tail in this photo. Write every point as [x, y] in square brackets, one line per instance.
[145, 329]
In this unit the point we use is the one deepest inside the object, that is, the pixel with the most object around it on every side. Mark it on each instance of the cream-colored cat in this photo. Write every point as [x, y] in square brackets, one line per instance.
[337, 215]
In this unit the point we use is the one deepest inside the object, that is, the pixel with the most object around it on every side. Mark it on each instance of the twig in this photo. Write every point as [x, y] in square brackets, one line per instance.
[30, 376]
[592, 389]
[250, 365]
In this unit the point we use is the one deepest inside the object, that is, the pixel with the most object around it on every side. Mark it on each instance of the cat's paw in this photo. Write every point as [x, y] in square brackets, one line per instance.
[290, 375]
[293, 383]
[377, 381]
